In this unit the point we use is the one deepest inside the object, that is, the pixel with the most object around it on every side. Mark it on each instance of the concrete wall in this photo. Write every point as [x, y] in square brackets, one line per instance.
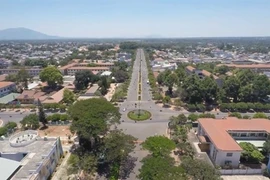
[13, 156]
[222, 157]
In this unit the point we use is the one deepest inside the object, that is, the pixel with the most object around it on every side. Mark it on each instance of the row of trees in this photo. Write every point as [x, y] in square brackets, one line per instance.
[243, 107]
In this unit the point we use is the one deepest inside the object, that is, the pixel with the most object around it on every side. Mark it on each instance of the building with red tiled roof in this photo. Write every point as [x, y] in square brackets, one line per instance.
[29, 96]
[220, 137]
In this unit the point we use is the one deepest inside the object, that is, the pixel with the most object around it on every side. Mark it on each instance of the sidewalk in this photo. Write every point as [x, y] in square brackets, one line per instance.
[1, 123]
[61, 171]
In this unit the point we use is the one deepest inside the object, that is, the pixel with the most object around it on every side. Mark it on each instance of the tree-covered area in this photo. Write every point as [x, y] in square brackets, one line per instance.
[52, 76]
[159, 165]
[241, 91]
[101, 147]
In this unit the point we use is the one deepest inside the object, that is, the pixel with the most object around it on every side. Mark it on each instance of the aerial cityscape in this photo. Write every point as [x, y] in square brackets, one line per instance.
[139, 90]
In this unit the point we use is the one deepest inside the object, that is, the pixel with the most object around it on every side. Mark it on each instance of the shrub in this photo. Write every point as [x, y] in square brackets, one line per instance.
[3, 131]
[191, 107]
[207, 115]
[55, 117]
[11, 125]
[193, 117]
[236, 114]
[201, 107]
[260, 116]
[64, 117]
[246, 117]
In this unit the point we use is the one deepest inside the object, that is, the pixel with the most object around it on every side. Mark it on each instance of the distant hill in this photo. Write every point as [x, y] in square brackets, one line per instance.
[23, 34]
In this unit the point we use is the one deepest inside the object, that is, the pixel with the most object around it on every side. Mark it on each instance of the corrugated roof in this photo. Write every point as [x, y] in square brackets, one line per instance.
[8, 167]
[8, 98]
[217, 130]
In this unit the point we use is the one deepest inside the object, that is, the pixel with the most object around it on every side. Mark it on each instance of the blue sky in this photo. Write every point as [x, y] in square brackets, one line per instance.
[139, 18]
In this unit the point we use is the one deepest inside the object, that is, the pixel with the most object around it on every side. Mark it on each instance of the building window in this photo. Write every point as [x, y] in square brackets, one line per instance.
[228, 162]
[252, 134]
[261, 134]
[229, 154]
[243, 134]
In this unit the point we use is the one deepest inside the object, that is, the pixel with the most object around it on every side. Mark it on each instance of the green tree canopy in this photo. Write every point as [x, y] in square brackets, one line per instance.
[118, 145]
[199, 169]
[250, 153]
[30, 121]
[92, 117]
[159, 145]
[170, 81]
[52, 76]
[209, 89]
[232, 87]
[160, 168]
[68, 96]
[83, 78]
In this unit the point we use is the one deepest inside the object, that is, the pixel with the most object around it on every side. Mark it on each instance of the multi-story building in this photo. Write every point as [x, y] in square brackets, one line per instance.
[72, 68]
[31, 71]
[202, 74]
[6, 88]
[220, 137]
[28, 156]
[253, 67]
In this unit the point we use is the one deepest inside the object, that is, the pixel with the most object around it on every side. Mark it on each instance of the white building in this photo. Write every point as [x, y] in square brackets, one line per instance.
[220, 137]
[27, 156]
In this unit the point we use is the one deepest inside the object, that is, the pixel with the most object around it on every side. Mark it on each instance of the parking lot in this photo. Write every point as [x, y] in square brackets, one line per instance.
[247, 177]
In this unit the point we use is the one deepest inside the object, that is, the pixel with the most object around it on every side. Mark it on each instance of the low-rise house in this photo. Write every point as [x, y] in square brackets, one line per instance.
[6, 88]
[220, 137]
[90, 93]
[10, 98]
[30, 96]
[55, 98]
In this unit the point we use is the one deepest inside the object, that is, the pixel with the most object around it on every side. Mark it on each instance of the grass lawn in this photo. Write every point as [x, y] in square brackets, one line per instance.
[144, 115]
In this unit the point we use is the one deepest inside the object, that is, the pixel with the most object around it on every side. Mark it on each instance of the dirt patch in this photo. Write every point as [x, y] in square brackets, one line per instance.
[55, 131]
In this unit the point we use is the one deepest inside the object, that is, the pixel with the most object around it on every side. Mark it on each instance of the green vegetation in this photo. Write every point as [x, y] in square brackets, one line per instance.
[68, 97]
[5, 129]
[198, 169]
[52, 76]
[250, 153]
[83, 78]
[30, 121]
[57, 117]
[100, 147]
[158, 145]
[160, 168]
[139, 116]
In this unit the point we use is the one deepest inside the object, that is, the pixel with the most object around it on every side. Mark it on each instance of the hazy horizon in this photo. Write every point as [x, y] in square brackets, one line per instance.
[139, 19]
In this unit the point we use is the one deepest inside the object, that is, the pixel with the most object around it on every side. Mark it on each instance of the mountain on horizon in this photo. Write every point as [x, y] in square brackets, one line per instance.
[23, 34]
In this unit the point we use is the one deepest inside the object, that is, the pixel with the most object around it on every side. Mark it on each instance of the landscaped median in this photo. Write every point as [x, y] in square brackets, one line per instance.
[139, 115]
